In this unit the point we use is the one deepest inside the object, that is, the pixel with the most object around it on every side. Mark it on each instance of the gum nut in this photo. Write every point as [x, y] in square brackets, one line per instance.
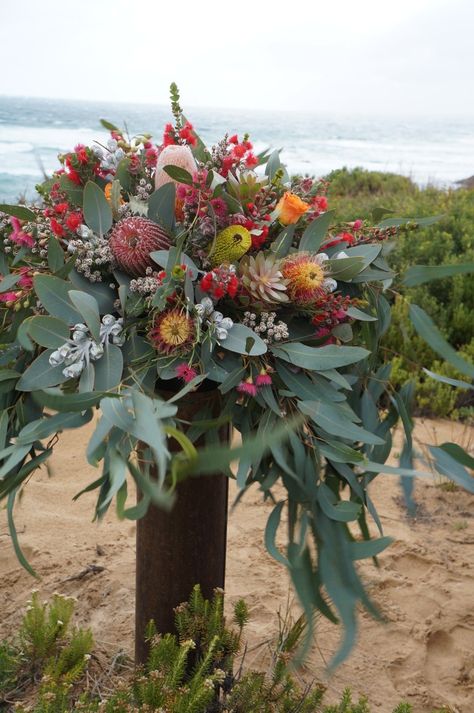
[330, 284]
[226, 323]
[73, 370]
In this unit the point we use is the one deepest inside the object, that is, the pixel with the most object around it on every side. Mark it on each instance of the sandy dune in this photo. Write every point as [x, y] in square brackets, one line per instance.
[424, 586]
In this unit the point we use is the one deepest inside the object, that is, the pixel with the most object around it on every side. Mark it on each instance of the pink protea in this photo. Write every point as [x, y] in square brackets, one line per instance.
[174, 155]
[131, 242]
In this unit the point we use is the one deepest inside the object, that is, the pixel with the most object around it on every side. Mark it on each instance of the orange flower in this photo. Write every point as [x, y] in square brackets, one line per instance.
[108, 193]
[290, 208]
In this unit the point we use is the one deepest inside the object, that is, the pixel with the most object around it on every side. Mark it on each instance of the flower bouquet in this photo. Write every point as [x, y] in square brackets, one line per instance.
[149, 272]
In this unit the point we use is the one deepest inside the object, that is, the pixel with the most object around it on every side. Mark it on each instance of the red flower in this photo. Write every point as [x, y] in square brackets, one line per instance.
[73, 221]
[263, 379]
[61, 208]
[169, 136]
[247, 387]
[251, 160]
[185, 372]
[233, 139]
[151, 156]
[74, 176]
[57, 228]
[320, 203]
[239, 151]
[220, 282]
[347, 238]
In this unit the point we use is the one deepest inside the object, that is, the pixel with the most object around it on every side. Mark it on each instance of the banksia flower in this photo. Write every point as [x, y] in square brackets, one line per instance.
[305, 277]
[263, 279]
[131, 242]
[230, 245]
[172, 332]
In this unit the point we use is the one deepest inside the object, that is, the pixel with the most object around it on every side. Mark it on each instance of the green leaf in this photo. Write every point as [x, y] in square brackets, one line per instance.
[100, 290]
[422, 222]
[9, 281]
[315, 233]
[56, 400]
[368, 253]
[161, 206]
[344, 268]
[45, 427]
[451, 468]
[109, 126]
[48, 331]
[55, 255]
[97, 211]
[428, 331]
[418, 274]
[282, 243]
[89, 310]
[339, 510]
[369, 548]
[53, 294]
[18, 211]
[273, 165]
[74, 192]
[178, 174]
[109, 368]
[40, 374]
[356, 313]
[332, 420]
[271, 528]
[459, 454]
[236, 341]
[447, 380]
[318, 358]
[14, 536]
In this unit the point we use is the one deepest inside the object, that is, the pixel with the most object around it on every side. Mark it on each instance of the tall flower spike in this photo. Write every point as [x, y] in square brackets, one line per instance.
[263, 279]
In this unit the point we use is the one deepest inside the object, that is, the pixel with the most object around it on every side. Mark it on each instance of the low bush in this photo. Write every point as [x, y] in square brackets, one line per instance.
[190, 672]
[450, 302]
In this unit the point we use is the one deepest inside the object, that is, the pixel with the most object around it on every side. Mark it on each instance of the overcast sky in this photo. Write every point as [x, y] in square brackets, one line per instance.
[361, 56]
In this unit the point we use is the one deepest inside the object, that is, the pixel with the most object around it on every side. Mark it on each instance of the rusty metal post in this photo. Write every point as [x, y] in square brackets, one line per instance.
[178, 549]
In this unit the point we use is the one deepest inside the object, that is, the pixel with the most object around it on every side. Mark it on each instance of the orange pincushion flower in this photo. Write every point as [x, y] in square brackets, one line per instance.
[172, 332]
[305, 275]
[290, 208]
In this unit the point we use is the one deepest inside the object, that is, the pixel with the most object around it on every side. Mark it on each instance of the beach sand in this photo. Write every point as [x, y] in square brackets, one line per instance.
[424, 652]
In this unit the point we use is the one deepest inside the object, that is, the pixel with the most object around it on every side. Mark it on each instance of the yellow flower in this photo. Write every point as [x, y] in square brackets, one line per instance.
[290, 208]
[305, 275]
[230, 245]
[172, 332]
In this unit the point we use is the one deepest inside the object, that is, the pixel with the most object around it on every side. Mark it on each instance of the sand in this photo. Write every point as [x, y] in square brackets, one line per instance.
[423, 653]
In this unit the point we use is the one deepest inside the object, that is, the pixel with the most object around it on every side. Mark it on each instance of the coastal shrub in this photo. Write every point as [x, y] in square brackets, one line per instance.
[449, 302]
[194, 671]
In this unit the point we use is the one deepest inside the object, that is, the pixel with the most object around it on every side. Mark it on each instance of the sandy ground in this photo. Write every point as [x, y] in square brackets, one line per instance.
[424, 652]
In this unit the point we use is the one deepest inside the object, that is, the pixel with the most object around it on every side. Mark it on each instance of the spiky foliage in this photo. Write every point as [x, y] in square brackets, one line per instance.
[230, 245]
[131, 242]
[263, 279]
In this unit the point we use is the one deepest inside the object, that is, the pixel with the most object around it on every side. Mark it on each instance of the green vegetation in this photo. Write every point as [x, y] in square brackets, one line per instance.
[449, 302]
[191, 672]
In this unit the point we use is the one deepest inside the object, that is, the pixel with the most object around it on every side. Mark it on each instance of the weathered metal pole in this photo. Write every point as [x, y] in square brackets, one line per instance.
[181, 548]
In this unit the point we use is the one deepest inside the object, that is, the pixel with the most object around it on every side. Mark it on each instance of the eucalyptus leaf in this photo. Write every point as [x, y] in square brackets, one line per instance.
[97, 211]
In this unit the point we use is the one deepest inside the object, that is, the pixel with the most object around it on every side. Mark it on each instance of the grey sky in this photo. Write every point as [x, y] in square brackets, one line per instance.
[365, 56]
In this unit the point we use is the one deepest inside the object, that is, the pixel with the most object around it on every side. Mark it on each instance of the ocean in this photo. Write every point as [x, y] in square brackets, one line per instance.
[438, 151]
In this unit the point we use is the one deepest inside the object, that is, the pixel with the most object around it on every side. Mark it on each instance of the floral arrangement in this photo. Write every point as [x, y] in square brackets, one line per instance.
[147, 269]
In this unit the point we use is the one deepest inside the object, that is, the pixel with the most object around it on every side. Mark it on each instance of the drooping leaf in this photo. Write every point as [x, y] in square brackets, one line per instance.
[419, 274]
[40, 374]
[18, 211]
[179, 174]
[109, 368]
[428, 331]
[236, 341]
[161, 206]
[452, 468]
[318, 358]
[14, 536]
[88, 308]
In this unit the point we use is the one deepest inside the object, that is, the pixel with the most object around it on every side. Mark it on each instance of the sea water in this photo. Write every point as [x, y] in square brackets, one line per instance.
[429, 150]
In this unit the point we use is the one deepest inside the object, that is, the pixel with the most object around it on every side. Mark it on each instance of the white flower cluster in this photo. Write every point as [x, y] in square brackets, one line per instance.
[266, 326]
[144, 286]
[110, 156]
[215, 320]
[81, 349]
[92, 252]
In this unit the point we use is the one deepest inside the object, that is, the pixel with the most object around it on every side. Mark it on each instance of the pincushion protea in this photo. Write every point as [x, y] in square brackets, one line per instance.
[263, 279]
[306, 277]
[131, 242]
[173, 332]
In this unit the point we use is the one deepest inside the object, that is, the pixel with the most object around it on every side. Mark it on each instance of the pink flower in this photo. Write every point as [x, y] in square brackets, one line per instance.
[173, 155]
[185, 372]
[357, 224]
[8, 297]
[247, 387]
[19, 236]
[263, 379]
